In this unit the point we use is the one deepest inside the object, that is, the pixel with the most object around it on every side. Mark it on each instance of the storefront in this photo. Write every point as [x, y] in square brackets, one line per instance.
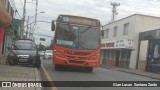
[5, 20]
[1, 39]
[1, 35]
[117, 53]
[153, 52]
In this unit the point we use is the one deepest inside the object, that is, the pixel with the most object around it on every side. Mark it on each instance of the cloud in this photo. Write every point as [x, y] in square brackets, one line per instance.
[99, 9]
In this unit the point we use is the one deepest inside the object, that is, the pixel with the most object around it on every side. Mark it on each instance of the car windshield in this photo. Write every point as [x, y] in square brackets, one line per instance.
[79, 37]
[24, 46]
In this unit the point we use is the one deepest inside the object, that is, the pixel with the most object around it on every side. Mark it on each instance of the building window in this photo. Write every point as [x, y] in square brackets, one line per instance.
[115, 31]
[107, 33]
[126, 29]
[102, 34]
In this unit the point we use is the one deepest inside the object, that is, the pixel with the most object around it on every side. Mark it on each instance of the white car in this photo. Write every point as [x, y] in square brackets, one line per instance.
[42, 53]
[48, 54]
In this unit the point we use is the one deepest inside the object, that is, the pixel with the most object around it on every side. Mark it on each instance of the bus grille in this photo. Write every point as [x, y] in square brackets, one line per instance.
[76, 58]
[76, 62]
[76, 53]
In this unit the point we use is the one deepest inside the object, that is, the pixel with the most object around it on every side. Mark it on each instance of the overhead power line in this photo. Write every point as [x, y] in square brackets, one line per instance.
[18, 14]
[21, 3]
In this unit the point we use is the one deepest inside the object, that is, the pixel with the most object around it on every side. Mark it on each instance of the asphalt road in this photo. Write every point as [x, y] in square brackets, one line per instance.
[98, 74]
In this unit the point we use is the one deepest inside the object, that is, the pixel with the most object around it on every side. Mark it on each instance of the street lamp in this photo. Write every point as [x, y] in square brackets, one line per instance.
[33, 22]
[35, 15]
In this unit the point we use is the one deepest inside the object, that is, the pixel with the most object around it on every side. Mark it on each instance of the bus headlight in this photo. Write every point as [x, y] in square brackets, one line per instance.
[94, 57]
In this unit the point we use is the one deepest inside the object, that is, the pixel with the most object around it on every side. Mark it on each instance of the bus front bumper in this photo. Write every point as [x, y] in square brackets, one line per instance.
[81, 63]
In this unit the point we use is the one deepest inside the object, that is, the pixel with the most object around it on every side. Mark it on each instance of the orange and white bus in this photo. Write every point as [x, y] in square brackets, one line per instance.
[77, 42]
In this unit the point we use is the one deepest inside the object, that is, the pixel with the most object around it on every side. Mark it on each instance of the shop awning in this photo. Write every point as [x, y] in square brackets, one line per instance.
[118, 44]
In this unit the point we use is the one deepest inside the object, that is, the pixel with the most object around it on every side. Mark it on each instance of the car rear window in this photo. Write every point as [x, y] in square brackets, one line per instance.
[24, 46]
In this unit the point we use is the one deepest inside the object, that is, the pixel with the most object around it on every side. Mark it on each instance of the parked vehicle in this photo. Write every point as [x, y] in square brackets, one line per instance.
[24, 51]
[48, 54]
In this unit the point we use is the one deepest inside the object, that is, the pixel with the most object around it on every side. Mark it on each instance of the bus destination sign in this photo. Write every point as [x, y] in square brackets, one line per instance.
[78, 20]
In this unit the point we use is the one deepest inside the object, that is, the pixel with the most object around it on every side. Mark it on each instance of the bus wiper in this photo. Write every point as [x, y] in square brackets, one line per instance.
[80, 45]
[86, 29]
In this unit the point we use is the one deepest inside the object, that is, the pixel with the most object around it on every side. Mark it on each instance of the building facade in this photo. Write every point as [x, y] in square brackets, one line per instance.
[5, 20]
[120, 41]
[152, 63]
[11, 31]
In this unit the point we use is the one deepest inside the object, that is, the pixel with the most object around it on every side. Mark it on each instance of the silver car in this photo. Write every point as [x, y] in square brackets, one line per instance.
[48, 54]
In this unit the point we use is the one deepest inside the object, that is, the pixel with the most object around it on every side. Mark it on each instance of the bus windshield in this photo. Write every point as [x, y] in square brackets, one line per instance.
[78, 37]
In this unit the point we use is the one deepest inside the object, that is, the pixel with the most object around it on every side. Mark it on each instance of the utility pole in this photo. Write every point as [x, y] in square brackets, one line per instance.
[36, 12]
[114, 10]
[30, 32]
[35, 18]
[27, 32]
[23, 19]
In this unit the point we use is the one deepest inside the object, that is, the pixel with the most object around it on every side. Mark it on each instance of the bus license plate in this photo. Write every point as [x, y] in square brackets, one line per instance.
[22, 60]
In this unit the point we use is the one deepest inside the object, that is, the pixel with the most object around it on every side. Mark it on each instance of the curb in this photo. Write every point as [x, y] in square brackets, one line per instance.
[139, 74]
[131, 73]
[48, 77]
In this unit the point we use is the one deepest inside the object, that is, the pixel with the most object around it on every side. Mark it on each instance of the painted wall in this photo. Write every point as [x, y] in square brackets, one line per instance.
[137, 23]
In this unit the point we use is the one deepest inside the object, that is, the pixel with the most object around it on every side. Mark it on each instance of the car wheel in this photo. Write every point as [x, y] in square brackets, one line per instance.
[11, 63]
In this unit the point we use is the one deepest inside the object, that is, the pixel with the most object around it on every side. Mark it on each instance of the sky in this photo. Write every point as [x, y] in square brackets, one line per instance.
[99, 9]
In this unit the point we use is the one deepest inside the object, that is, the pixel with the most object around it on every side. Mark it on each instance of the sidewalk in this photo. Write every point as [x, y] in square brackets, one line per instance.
[136, 72]
[19, 73]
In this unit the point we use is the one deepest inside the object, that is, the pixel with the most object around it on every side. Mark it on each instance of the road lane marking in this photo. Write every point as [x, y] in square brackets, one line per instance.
[48, 78]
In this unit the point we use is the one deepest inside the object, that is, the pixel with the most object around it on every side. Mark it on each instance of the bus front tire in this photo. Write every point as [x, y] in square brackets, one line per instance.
[88, 69]
[57, 67]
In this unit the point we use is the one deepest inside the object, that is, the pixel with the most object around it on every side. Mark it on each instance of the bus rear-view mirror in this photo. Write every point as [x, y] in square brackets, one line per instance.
[52, 25]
